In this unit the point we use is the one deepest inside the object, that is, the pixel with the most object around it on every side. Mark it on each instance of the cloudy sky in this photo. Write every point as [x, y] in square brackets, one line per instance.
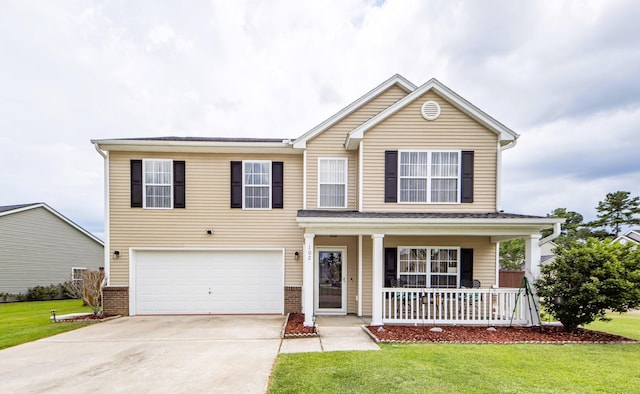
[563, 74]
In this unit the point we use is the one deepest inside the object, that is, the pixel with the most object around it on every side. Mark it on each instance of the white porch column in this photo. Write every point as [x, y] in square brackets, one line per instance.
[307, 280]
[376, 293]
[532, 273]
[532, 257]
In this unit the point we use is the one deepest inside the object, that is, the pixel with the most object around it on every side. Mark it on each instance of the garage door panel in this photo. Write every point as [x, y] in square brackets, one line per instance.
[203, 282]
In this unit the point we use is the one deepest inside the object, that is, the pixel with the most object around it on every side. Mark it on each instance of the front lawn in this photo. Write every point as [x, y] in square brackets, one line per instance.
[22, 322]
[454, 368]
[625, 324]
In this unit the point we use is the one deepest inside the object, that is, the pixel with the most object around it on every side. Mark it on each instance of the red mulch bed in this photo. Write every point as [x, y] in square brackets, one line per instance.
[295, 327]
[465, 334]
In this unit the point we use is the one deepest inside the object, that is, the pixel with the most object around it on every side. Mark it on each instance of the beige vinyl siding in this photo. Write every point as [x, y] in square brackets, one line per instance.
[408, 130]
[351, 243]
[330, 143]
[207, 207]
[37, 248]
[484, 258]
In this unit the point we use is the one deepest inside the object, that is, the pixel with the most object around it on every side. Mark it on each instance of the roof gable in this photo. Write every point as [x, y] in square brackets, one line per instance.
[505, 134]
[397, 79]
[12, 209]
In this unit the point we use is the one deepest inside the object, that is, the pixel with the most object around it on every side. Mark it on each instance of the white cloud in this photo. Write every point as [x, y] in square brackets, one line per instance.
[564, 74]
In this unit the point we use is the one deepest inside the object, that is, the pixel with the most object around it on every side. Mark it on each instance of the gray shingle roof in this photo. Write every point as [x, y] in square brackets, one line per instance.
[202, 139]
[12, 207]
[410, 215]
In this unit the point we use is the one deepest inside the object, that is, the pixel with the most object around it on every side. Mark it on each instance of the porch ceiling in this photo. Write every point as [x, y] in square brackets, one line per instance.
[497, 225]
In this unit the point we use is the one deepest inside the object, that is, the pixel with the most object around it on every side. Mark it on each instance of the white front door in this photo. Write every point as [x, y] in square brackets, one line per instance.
[331, 273]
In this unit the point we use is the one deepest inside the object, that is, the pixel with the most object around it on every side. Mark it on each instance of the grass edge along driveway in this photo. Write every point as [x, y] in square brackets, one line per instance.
[447, 368]
[22, 322]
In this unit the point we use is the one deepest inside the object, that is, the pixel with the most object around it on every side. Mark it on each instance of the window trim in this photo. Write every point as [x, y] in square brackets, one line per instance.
[428, 273]
[73, 270]
[346, 181]
[244, 185]
[144, 184]
[429, 177]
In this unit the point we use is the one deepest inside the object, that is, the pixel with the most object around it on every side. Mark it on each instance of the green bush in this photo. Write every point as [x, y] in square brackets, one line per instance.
[45, 293]
[586, 280]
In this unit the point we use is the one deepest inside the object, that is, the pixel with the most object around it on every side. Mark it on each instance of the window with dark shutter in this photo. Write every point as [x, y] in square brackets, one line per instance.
[390, 257]
[391, 176]
[179, 184]
[277, 200]
[136, 183]
[236, 184]
[466, 267]
[467, 177]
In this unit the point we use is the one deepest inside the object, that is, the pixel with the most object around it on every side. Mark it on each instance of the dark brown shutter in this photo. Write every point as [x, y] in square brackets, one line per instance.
[236, 184]
[390, 257]
[136, 183]
[277, 182]
[466, 267]
[391, 176]
[467, 177]
[179, 184]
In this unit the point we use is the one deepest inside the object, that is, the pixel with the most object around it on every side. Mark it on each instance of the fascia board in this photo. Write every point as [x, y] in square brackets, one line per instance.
[506, 134]
[432, 221]
[21, 209]
[301, 142]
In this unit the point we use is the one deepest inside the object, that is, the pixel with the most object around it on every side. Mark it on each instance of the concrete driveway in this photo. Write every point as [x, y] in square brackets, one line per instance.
[154, 354]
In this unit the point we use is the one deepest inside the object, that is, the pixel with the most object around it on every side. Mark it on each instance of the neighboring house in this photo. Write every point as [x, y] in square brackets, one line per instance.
[386, 209]
[39, 247]
[547, 254]
[632, 237]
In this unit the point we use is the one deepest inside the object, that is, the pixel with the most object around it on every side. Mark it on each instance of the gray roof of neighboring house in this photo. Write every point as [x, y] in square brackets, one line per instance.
[634, 234]
[411, 215]
[12, 207]
[546, 258]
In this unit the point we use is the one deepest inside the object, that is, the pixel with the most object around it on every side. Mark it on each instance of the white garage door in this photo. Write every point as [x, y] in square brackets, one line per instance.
[204, 282]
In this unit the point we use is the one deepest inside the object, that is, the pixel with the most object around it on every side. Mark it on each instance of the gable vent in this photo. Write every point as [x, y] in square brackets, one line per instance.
[430, 110]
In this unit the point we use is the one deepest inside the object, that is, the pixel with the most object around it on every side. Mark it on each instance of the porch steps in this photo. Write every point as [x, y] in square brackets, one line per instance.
[336, 333]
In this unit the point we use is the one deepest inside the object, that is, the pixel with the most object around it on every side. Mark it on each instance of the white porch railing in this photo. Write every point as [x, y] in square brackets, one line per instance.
[454, 306]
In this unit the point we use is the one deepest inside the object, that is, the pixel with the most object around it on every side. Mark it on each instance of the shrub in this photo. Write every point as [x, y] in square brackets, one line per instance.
[586, 280]
[44, 293]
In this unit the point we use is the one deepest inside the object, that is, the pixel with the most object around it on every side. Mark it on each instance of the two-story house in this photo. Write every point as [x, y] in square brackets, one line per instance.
[390, 209]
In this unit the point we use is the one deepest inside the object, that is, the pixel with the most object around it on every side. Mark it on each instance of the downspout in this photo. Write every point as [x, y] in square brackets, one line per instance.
[107, 243]
[557, 227]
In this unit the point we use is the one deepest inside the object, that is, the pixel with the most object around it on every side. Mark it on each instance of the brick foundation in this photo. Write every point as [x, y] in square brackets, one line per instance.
[292, 299]
[116, 300]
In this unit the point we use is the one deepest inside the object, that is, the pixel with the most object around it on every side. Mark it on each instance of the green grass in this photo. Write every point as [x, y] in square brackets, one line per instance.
[625, 324]
[22, 322]
[453, 368]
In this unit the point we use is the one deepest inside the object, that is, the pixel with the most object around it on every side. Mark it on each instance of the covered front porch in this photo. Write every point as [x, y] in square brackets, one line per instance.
[414, 268]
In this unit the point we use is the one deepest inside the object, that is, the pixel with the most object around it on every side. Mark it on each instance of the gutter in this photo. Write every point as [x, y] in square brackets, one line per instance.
[554, 235]
[510, 144]
[100, 151]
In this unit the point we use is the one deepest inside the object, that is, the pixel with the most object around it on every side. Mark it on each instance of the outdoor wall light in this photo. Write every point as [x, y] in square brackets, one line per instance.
[296, 255]
[209, 232]
[116, 254]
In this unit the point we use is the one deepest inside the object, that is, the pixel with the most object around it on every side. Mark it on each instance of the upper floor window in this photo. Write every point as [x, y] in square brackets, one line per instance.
[257, 184]
[158, 183]
[429, 177]
[332, 182]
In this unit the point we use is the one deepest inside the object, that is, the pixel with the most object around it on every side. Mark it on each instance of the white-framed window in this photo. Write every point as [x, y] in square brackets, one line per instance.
[256, 184]
[76, 273]
[332, 182]
[158, 183]
[429, 266]
[429, 177]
